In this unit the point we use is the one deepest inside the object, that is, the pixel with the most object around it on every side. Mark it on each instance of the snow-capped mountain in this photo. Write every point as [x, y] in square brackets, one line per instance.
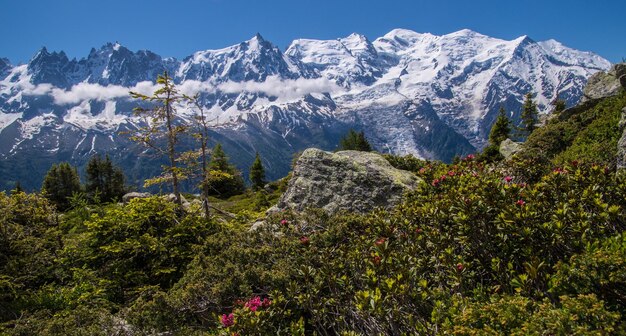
[411, 93]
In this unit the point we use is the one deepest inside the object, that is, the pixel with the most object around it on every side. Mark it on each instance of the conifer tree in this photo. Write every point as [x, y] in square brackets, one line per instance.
[223, 178]
[202, 135]
[104, 179]
[219, 160]
[354, 141]
[559, 106]
[18, 188]
[160, 123]
[501, 128]
[529, 114]
[59, 184]
[257, 173]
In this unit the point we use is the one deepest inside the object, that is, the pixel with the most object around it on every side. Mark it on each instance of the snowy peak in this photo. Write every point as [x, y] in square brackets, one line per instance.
[405, 36]
[346, 61]
[46, 67]
[560, 53]
[5, 67]
[251, 60]
[359, 46]
[115, 64]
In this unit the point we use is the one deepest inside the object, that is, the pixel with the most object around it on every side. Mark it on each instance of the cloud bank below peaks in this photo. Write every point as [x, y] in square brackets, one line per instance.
[283, 89]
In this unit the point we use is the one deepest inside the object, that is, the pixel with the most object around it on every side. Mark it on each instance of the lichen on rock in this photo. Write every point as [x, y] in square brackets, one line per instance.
[347, 180]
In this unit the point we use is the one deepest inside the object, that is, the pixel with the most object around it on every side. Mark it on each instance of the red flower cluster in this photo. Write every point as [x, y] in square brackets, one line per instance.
[469, 157]
[227, 320]
[459, 267]
[376, 260]
[520, 202]
[304, 240]
[508, 179]
[380, 241]
[442, 178]
[254, 303]
[284, 222]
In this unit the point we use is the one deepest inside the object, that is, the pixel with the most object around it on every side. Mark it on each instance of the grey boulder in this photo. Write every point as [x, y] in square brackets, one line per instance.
[605, 84]
[129, 196]
[348, 180]
[508, 148]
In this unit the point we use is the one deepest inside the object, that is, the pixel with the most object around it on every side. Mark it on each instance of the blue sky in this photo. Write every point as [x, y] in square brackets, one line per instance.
[178, 28]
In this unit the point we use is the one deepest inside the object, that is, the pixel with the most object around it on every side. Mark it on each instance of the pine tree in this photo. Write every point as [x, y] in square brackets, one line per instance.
[219, 160]
[559, 106]
[59, 184]
[257, 173]
[202, 135]
[355, 141]
[260, 200]
[223, 178]
[529, 114]
[501, 128]
[104, 180]
[159, 123]
[18, 188]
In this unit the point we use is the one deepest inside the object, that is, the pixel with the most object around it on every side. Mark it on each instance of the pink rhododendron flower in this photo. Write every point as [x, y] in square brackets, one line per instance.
[508, 179]
[380, 241]
[253, 304]
[284, 222]
[520, 202]
[227, 320]
[459, 267]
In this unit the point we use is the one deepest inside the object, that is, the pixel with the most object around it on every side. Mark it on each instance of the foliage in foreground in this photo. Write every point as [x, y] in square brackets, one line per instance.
[473, 251]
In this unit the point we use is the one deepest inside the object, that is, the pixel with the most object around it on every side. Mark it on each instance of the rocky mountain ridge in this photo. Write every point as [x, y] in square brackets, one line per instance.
[411, 93]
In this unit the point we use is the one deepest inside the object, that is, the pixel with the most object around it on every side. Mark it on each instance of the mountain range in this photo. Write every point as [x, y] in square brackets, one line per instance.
[410, 93]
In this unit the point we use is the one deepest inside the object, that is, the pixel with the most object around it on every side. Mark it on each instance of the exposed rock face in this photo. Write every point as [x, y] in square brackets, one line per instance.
[172, 198]
[508, 148]
[605, 84]
[347, 180]
[129, 196]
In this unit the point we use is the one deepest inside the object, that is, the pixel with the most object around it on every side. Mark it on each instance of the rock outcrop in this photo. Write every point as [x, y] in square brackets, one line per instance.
[347, 180]
[508, 148]
[129, 196]
[605, 84]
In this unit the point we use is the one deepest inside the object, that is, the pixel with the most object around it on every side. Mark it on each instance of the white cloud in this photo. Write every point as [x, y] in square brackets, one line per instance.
[283, 88]
[191, 87]
[88, 91]
[288, 89]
